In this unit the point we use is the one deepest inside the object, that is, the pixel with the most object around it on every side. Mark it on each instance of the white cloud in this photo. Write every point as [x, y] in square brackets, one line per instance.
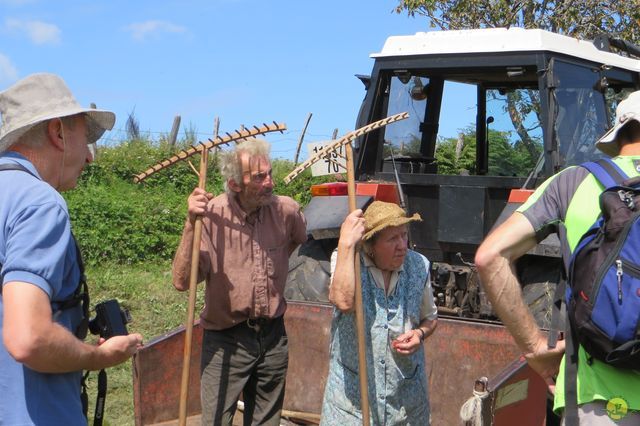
[39, 32]
[142, 30]
[8, 72]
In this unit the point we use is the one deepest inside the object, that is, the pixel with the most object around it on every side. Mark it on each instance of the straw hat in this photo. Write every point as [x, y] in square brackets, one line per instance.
[380, 215]
[41, 97]
[627, 110]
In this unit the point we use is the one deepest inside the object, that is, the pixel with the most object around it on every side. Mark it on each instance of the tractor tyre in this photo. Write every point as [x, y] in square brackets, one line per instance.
[539, 279]
[309, 271]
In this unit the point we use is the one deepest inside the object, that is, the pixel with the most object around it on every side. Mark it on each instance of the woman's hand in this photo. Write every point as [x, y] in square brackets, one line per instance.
[407, 343]
[352, 229]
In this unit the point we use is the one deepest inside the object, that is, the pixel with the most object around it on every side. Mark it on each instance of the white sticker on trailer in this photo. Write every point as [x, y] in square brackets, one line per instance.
[512, 393]
[334, 162]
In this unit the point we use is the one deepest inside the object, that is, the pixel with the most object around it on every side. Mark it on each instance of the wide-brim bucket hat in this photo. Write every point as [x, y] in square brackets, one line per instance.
[41, 97]
[627, 110]
[380, 215]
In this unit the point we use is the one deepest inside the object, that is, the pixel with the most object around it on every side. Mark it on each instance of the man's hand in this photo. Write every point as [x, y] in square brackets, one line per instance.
[197, 203]
[181, 270]
[118, 349]
[494, 260]
[546, 361]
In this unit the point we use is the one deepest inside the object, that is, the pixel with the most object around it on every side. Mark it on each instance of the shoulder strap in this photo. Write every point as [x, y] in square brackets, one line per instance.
[606, 171]
[16, 166]
[19, 167]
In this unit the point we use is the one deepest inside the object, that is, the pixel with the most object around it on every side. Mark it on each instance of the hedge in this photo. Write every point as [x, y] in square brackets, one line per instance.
[118, 221]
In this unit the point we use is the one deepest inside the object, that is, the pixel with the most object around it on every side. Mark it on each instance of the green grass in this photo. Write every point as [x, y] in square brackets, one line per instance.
[155, 307]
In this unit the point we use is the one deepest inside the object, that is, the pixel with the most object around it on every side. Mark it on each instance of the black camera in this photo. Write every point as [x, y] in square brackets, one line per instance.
[110, 320]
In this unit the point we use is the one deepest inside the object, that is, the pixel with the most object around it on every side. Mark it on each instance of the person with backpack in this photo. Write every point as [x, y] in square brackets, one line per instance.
[568, 204]
[44, 146]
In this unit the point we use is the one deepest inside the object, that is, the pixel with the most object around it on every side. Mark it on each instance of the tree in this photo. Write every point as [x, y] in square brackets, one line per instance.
[458, 155]
[576, 18]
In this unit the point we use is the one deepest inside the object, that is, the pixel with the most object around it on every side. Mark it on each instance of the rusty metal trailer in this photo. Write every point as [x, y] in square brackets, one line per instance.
[457, 354]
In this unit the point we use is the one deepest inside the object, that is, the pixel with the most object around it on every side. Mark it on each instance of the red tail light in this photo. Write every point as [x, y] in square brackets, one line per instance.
[324, 189]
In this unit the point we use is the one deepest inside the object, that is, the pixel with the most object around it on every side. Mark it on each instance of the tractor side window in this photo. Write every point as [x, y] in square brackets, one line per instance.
[580, 112]
[402, 139]
[440, 134]
[514, 131]
[456, 143]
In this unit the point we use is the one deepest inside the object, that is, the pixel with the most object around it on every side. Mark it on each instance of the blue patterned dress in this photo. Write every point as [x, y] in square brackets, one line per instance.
[398, 390]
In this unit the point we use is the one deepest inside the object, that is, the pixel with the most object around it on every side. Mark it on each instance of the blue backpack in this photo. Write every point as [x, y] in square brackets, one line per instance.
[603, 287]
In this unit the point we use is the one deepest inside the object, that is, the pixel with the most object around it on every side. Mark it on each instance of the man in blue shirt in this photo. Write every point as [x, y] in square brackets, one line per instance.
[45, 134]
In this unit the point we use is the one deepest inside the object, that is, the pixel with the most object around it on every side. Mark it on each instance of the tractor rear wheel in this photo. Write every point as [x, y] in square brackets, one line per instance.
[310, 270]
[539, 279]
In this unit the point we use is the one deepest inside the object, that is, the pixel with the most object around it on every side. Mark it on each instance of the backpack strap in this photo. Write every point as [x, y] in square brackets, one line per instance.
[609, 174]
[606, 171]
[570, 414]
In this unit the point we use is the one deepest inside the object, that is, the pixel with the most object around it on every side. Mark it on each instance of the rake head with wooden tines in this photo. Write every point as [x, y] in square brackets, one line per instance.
[348, 138]
[210, 143]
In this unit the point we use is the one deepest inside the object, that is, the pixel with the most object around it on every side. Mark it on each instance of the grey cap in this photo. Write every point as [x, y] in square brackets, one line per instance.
[41, 97]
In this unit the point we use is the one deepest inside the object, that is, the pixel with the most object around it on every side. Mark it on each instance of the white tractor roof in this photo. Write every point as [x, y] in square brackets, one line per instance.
[494, 40]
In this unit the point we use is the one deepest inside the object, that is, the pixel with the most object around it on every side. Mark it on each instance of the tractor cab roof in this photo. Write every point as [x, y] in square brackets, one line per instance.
[500, 40]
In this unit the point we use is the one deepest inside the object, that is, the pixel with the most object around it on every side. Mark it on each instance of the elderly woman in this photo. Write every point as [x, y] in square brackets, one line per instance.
[399, 314]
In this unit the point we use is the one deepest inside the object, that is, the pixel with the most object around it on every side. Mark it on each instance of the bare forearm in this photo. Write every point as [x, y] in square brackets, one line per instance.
[56, 350]
[33, 339]
[494, 260]
[342, 290]
[504, 292]
[181, 269]
[61, 352]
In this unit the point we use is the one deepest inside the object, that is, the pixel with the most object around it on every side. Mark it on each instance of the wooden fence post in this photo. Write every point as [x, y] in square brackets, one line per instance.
[173, 136]
[304, 129]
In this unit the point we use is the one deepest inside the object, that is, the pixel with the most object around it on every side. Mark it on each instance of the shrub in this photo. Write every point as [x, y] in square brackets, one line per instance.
[118, 221]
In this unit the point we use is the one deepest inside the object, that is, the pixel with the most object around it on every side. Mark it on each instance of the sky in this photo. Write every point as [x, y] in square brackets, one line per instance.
[244, 61]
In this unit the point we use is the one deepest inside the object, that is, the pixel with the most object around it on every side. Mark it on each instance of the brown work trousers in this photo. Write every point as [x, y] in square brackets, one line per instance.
[250, 358]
